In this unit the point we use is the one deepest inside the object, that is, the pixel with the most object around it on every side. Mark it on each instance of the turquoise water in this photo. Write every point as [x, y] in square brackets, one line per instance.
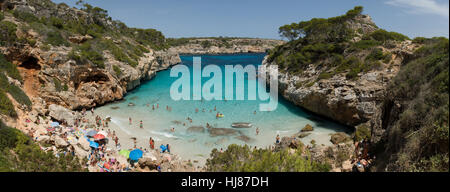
[285, 120]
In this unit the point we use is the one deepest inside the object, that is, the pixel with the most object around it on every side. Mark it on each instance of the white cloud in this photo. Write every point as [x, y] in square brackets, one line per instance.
[422, 6]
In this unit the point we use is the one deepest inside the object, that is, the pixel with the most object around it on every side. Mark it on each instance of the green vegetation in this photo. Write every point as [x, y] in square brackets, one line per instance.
[9, 68]
[117, 70]
[243, 159]
[2, 16]
[131, 43]
[382, 35]
[7, 33]
[326, 44]
[418, 139]
[6, 106]
[321, 30]
[18, 153]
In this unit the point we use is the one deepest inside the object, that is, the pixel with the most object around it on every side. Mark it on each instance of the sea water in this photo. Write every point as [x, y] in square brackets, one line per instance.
[286, 120]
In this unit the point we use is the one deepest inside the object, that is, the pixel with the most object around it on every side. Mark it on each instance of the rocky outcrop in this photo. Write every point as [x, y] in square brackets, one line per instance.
[239, 45]
[349, 101]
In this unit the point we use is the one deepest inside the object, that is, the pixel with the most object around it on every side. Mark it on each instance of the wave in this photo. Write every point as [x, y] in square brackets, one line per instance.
[116, 122]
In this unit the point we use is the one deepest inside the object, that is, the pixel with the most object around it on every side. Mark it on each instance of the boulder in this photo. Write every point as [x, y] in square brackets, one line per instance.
[303, 135]
[147, 163]
[60, 142]
[221, 132]
[80, 153]
[61, 114]
[43, 139]
[307, 127]
[339, 137]
[196, 129]
[84, 144]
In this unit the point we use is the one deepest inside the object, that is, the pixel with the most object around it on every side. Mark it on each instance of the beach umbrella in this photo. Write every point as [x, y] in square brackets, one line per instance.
[54, 124]
[124, 153]
[91, 133]
[106, 165]
[93, 144]
[136, 154]
[103, 133]
[99, 137]
[79, 134]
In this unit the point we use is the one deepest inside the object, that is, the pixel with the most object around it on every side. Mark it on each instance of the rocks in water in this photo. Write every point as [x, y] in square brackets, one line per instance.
[176, 122]
[244, 138]
[241, 125]
[61, 114]
[213, 132]
[115, 107]
[134, 98]
[303, 135]
[196, 129]
[307, 127]
[131, 104]
[221, 141]
[339, 137]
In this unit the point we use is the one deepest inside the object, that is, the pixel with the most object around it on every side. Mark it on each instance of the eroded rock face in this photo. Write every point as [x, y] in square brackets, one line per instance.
[350, 102]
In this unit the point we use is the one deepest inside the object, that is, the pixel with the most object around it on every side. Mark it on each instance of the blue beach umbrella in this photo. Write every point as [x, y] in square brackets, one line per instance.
[136, 154]
[54, 124]
[91, 133]
[93, 144]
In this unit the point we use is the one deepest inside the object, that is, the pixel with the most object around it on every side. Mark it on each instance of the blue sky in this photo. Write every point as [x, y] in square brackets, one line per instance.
[261, 18]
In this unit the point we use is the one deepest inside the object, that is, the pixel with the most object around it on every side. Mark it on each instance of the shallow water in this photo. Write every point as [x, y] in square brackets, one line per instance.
[285, 120]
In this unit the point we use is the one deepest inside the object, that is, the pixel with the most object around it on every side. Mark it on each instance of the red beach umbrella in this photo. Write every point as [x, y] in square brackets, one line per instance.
[99, 137]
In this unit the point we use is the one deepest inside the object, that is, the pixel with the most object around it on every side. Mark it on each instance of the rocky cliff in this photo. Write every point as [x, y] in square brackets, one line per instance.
[65, 73]
[222, 45]
[392, 90]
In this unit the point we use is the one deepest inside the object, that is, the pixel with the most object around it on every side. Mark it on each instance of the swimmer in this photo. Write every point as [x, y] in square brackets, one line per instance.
[254, 112]
[196, 110]
[257, 131]
[141, 125]
[215, 108]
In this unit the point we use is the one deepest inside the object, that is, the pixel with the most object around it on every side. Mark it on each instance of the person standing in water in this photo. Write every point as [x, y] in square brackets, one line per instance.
[278, 139]
[130, 120]
[257, 131]
[141, 125]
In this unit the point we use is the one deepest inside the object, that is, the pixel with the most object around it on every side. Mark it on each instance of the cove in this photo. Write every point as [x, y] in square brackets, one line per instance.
[193, 140]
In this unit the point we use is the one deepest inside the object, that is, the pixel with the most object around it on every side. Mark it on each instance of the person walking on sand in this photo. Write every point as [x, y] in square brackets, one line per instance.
[278, 139]
[168, 148]
[141, 125]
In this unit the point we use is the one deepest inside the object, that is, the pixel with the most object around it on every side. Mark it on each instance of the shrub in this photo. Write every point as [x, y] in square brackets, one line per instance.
[2, 16]
[19, 96]
[243, 159]
[6, 106]
[7, 33]
[117, 70]
[56, 39]
[382, 35]
[25, 16]
[9, 68]
[57, 84]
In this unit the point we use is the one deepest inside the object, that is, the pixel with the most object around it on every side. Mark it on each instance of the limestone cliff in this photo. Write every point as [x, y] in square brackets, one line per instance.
[57, 73]
[222, 45]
